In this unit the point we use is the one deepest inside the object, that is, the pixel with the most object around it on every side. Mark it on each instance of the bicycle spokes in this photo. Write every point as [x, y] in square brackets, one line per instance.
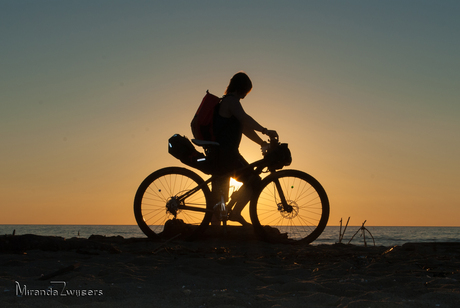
[290, 202]
[170, 193]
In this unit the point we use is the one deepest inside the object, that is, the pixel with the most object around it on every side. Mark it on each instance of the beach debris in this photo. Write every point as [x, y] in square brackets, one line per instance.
[164, 244]
[89, 252]
[340, 231]
[186, 291]
[174, 227]
[22, 243]
[60, 271]
[274, 235]
[389, 250]
[363, 234]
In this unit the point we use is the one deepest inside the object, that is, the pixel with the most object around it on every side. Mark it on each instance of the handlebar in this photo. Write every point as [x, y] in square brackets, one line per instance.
[274, 142]
[276, 153]
[270, 145]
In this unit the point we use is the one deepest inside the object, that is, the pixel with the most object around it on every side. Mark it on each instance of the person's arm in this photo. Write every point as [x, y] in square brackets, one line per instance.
[250, 126]
[252, 135]
[246, 120]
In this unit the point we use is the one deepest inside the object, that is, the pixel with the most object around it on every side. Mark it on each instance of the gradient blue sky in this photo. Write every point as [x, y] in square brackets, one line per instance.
[366, 93]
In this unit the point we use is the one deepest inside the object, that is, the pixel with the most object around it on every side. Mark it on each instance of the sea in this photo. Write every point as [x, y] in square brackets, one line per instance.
[380, 236]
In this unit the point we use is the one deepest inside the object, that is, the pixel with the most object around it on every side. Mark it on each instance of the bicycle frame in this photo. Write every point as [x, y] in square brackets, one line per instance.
[257, 166]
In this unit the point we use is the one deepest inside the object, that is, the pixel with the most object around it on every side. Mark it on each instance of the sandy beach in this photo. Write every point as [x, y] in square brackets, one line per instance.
[216, 271]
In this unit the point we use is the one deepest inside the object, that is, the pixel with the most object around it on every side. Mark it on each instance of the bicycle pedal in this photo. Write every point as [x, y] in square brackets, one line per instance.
[221, 208]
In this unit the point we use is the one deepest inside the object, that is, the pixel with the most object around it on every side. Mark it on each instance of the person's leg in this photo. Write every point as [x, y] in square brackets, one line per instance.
[230, 160]
[244, 195]
[250, 182]
[220, 186]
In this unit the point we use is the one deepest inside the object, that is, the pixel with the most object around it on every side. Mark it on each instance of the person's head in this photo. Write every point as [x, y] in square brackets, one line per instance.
[240, 84]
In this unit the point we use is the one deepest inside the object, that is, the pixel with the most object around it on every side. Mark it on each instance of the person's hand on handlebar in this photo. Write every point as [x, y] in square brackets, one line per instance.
[270, 133]
[264, 147]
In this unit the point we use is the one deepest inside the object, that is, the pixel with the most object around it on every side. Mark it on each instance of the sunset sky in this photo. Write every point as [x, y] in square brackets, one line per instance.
[366, 94]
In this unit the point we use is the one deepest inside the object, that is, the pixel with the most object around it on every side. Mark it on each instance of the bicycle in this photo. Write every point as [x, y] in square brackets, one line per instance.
[286, 206]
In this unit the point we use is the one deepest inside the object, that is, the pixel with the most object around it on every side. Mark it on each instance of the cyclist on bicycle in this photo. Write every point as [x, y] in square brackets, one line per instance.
[230, 123]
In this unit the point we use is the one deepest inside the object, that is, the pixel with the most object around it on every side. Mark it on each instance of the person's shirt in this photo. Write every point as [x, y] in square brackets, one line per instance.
[228, 131]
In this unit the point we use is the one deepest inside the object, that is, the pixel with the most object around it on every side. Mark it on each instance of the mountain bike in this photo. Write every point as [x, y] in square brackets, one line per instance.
[285, 206]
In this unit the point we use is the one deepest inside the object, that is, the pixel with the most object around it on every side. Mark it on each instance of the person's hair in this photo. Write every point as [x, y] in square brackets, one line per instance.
[240, 83]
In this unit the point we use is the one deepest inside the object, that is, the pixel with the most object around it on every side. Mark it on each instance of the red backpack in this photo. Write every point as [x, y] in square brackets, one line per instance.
[202, 123]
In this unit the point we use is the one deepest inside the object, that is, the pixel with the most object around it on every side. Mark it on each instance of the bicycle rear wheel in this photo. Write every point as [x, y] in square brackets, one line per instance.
[170, 193]
[301, 218]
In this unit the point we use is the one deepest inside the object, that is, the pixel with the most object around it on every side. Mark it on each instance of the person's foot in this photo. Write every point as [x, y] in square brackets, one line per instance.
[240, 219]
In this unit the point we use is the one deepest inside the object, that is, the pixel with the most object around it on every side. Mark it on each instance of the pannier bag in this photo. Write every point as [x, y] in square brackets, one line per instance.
[202, 123]
[181, 148]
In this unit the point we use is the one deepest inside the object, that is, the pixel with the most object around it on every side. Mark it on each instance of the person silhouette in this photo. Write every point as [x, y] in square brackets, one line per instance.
[230, 123]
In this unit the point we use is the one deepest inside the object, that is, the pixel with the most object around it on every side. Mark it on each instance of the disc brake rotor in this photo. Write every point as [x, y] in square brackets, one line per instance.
[292, 210]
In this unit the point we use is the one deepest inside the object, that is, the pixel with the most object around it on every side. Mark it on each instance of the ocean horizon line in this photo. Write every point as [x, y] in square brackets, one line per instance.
[367, 226]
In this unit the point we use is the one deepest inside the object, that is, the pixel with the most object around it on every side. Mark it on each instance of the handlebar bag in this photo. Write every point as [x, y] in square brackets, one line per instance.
[279, 157]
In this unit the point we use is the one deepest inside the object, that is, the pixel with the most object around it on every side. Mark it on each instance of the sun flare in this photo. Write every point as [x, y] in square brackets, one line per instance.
[235, 184]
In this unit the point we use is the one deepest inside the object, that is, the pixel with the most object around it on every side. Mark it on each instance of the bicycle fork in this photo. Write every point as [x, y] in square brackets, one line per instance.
[284, 206]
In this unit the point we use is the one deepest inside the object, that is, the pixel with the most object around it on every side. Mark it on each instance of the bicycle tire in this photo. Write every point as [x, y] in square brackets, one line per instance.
[308, 203]
[153, 199]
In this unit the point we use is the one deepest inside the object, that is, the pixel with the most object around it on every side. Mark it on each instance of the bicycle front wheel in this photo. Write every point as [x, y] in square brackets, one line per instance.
[291, 206]
[171, 193]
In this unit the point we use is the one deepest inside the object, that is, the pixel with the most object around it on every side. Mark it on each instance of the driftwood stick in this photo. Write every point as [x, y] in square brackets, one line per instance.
[60, 271]
[364, 236]
[163, 244]
[370, 235]
[340, 231]
[341, 235]
[363, 229]
[344, 230]
[354, 235]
